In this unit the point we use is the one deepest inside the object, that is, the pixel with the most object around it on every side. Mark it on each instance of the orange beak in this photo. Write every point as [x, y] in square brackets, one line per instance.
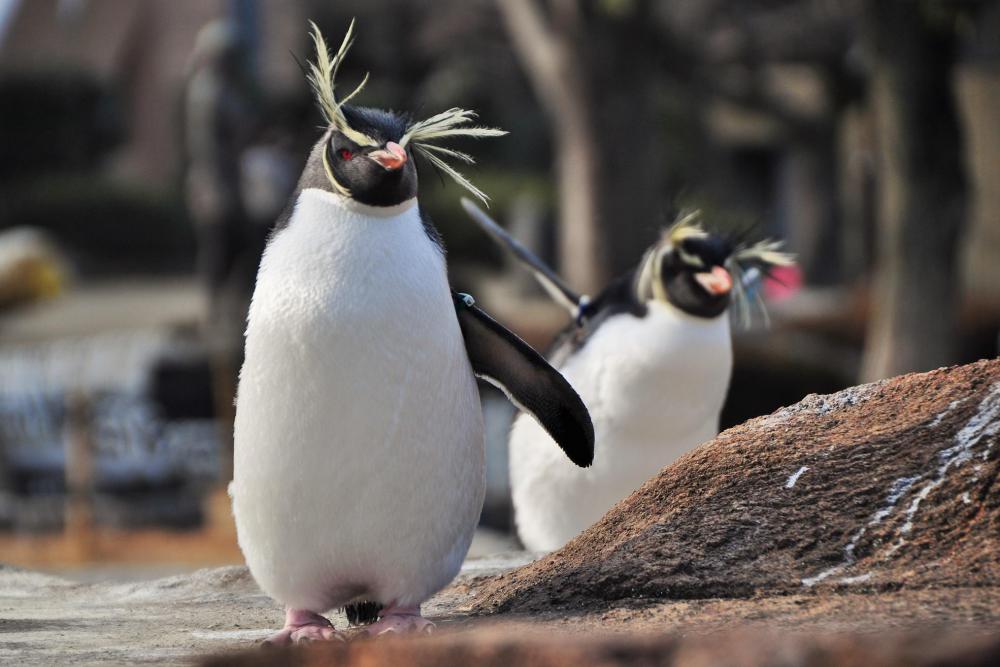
[716, 282]
[392, 157]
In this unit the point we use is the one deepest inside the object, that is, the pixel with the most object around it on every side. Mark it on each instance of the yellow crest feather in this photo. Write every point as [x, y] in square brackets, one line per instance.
[322, 77]
[687, 226]
[451, 123]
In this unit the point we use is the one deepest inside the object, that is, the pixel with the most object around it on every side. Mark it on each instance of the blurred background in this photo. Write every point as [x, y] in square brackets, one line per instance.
[146, 146]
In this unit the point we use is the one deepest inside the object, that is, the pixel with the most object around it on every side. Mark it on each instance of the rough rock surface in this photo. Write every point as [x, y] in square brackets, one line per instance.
[880, 487]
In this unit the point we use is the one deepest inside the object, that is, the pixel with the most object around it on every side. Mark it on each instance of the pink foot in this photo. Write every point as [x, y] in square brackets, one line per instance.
[399, 620]
[303, 626]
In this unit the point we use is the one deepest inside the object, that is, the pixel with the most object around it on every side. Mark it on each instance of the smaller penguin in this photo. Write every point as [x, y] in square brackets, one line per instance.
[651, 358]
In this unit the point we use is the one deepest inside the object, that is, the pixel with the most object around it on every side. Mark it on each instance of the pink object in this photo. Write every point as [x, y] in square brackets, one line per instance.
[783, 283]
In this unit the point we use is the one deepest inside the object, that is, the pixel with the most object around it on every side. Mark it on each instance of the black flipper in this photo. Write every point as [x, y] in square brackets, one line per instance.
[500, 357]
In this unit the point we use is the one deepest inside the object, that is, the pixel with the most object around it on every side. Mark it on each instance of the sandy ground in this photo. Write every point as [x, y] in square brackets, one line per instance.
[47, 620]
[180, 619]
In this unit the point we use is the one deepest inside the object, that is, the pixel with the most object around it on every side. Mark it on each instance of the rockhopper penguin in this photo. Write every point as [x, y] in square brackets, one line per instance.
[651, 358]
[359, 462]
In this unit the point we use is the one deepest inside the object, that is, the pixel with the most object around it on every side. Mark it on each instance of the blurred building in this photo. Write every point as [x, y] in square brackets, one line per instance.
[141, 51]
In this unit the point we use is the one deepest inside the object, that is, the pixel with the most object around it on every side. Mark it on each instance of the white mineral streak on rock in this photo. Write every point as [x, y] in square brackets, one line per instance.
[985, 423]
[794, 477]
[818, 404]
[860, 579]
[896, 491]
[809, 582]
[944, 413]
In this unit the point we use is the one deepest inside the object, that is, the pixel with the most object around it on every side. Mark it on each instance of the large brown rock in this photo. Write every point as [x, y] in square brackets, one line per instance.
[880, 487]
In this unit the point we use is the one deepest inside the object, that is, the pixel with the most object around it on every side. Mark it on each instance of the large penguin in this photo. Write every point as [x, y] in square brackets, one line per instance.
[651, 358]
[359, 463]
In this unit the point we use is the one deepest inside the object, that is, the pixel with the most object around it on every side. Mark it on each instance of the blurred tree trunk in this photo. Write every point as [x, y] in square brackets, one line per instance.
[922, 189]
[555, 64]
[604, 122]
[814, 207]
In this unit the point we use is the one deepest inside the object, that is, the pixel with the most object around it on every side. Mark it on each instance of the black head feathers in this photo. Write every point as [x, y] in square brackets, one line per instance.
[700, 272]
[361, 130]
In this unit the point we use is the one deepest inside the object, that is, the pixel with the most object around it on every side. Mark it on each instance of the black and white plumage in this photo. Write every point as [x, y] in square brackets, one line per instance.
[651, 358]
[359, 463]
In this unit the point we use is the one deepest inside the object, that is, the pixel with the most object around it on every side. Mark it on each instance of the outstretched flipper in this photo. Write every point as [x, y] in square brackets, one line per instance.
[549, 279]
[501, 358]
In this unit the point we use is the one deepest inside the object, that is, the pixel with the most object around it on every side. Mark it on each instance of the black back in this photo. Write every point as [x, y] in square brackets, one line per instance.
[617, 298]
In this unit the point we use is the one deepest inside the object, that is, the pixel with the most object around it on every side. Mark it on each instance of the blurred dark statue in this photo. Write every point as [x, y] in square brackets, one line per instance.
[219, 122]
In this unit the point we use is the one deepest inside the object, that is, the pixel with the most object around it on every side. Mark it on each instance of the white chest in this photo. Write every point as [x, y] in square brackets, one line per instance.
[655, 378]
[654, 387]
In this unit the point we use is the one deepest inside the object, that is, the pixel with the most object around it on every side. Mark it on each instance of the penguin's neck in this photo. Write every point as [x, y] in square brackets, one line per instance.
[327, 232]
[333, 245]
[335, 204]
[338, 269]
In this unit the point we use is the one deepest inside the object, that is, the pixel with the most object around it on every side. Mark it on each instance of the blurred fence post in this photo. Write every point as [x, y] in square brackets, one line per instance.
[79, 475]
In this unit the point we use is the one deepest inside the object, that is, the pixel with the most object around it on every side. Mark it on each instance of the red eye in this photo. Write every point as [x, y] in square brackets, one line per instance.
[346, 154]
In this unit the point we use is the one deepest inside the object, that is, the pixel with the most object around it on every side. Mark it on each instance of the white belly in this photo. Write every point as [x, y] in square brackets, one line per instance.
[654, 388]
[359, 468]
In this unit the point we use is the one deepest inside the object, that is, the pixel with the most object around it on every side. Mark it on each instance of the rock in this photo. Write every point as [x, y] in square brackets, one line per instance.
[47, 620]
[503, 647]
[886, 486]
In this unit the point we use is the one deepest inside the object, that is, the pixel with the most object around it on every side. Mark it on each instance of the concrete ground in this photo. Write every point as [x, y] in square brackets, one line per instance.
[48, 620]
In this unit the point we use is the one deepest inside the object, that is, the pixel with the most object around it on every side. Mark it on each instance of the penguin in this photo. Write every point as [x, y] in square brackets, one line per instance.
[359, 456]
[650, 356]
